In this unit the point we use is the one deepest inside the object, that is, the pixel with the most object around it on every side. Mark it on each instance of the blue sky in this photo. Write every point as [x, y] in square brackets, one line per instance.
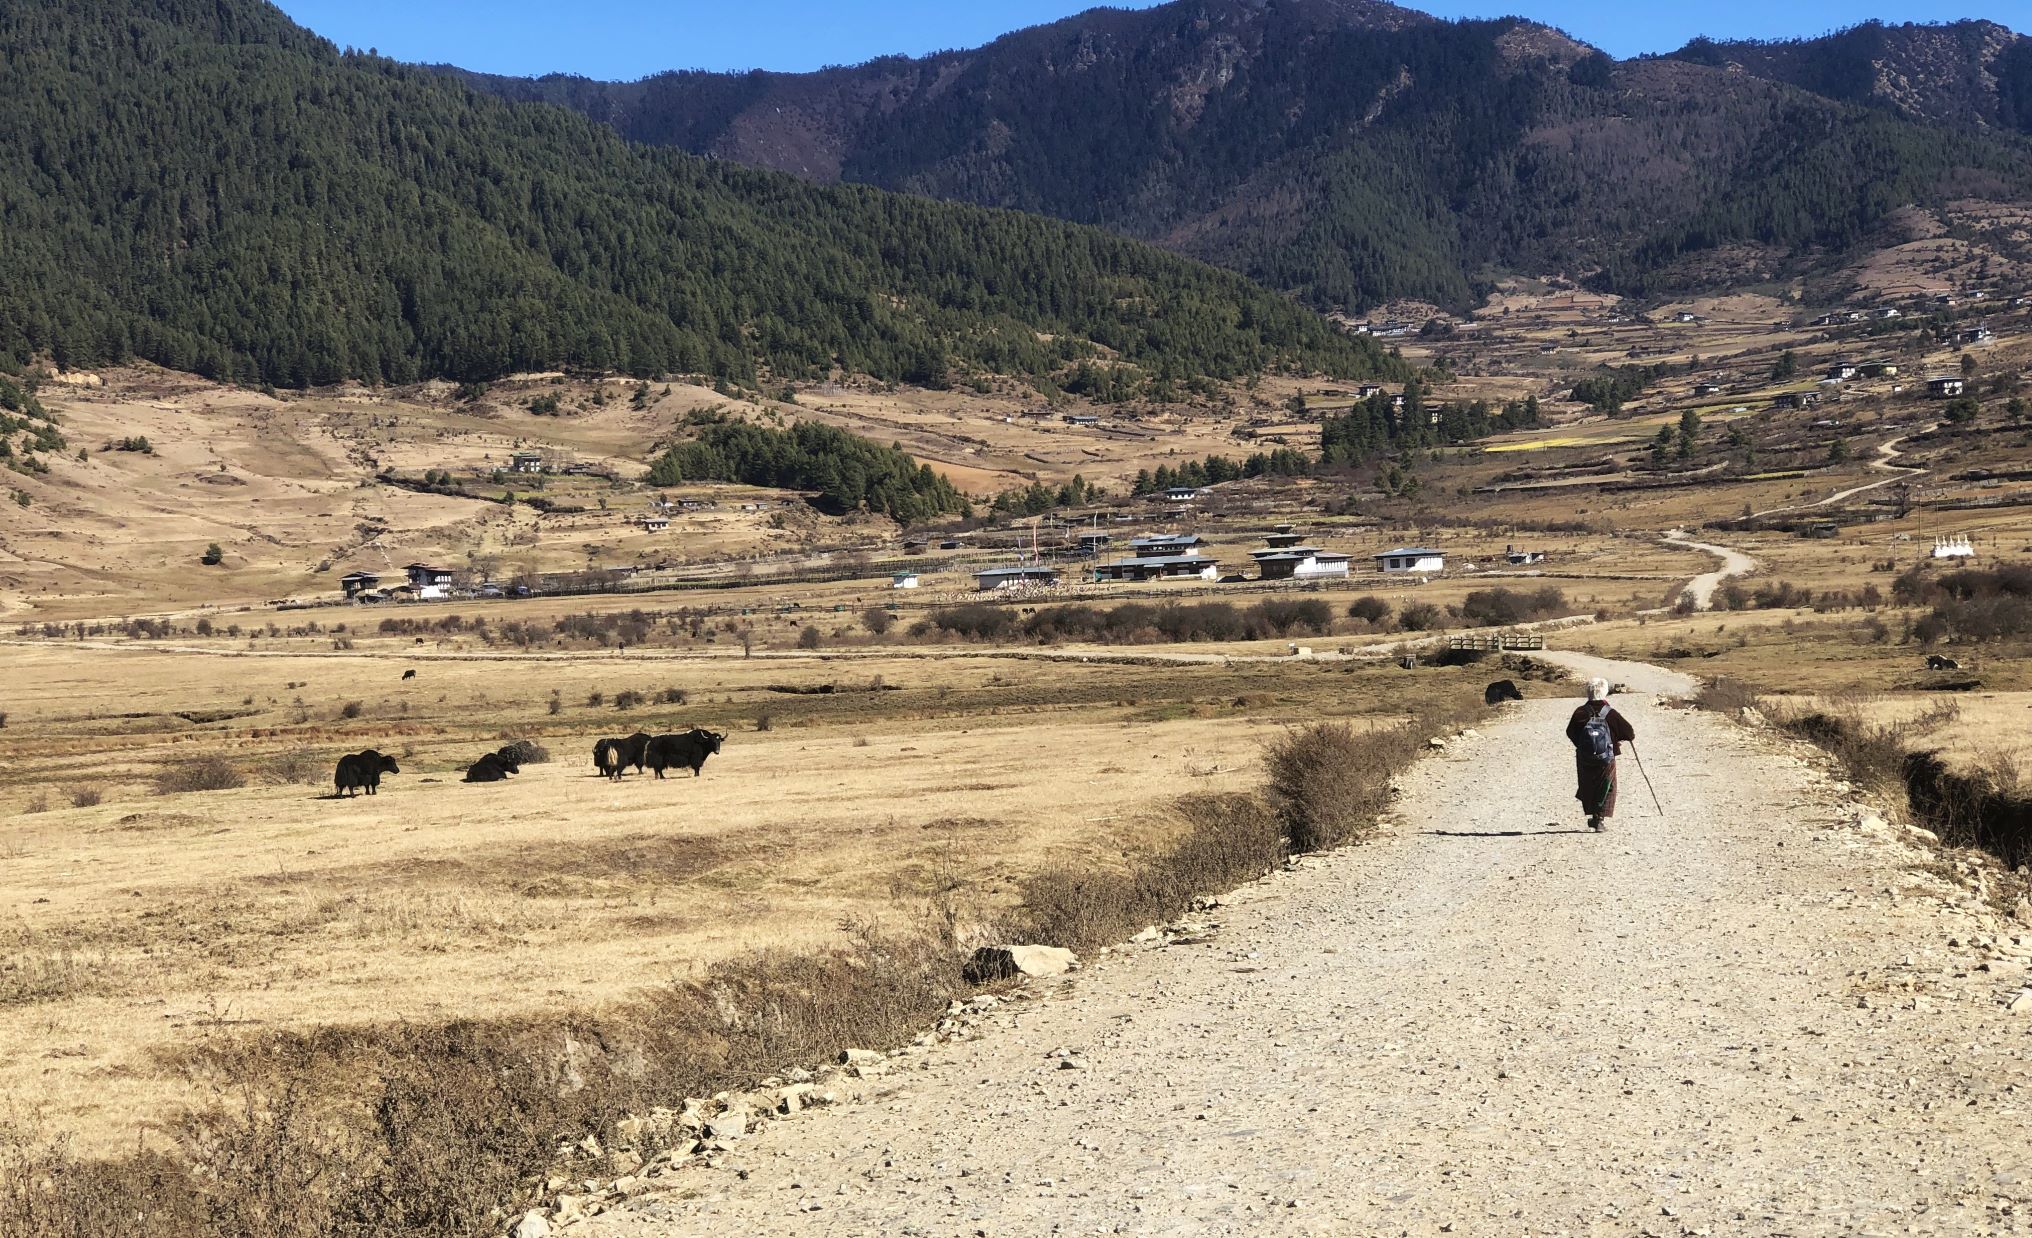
[630, 38]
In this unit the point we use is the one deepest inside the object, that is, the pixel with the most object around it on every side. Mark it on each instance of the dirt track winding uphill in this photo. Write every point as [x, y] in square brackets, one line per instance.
[1488, 1022]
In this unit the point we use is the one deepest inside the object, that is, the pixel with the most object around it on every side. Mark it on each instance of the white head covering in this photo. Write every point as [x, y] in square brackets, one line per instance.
[1598, 689]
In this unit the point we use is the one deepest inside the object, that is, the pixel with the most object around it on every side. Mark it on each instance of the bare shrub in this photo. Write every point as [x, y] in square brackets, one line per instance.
[206, 773]
[1329, 782]
[877, 620]
[810, 638]
[86, 795]
[298, 766]
[672, 696]
[38, 803]
[1724, 695]
[596, 698]
[351, 709]
[556, 703]
[527, 751]
[765, 722]
[629, 698]
[1230, 839]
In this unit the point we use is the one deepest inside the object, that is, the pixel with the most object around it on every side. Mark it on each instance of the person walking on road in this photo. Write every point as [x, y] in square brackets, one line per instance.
[1598, 734]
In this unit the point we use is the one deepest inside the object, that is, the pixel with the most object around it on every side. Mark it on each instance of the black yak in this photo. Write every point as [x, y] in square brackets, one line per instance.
[363, 770]
[1500, 691]
[687, 750]
[1935, 662]
[409, 674]
[494, 767]
[607, 758]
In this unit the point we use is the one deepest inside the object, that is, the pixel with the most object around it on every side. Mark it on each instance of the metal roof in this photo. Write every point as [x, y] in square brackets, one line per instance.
[1415, 551]
[1028, 570]
[1163, 561]
[1296, 552]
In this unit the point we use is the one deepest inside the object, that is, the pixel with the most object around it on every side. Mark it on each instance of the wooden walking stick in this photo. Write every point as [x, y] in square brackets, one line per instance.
[1647, 778]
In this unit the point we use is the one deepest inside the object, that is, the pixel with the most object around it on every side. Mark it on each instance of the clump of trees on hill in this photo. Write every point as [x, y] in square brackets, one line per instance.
[1134, 623]
[1607, 391]
[1377, 426]
[849, 473]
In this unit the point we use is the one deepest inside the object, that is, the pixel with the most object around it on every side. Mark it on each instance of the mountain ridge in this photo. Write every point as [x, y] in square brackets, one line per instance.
[206, 185]
[1350, 152]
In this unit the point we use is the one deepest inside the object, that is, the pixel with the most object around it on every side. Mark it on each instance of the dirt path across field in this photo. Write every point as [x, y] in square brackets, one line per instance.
[1702, 587]
[1745, 1018]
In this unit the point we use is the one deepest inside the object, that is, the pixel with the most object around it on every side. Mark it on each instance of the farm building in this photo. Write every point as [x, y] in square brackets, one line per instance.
[1183, 494]
[1299, 563]
[429, 583]
[526, 462]
[1162, 545]
[356, 583]
[656, 524]
[1945, 386]
[1842, 371]
[903, 580]
[1974, 335]
[1015, 577]
[1518, 558]
[1707, 389]
[1797, 399]
[1410, 559]
[1880, 369]
[1082, 419]
[1953, 548]
[1168, 567]
[1090, 543]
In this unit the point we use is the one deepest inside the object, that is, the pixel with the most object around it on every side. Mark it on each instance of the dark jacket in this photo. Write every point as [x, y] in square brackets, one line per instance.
[1596, 784]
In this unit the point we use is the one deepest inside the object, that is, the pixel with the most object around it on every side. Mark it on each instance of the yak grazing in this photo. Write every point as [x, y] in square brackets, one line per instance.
[362, 771]
[1500, 691]
[681, 751]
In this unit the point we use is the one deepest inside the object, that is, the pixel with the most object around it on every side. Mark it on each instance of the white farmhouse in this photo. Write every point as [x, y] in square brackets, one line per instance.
[1411, 559]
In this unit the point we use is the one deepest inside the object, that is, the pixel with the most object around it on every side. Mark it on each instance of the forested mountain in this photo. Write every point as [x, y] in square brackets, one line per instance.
[206, 185]
[1974, 73]
[1349, 150]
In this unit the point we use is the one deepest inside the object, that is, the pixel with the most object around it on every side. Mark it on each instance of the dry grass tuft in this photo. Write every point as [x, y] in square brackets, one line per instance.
[205, 773]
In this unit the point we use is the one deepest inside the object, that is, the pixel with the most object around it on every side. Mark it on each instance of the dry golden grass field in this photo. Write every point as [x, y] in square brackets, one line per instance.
[892, 760]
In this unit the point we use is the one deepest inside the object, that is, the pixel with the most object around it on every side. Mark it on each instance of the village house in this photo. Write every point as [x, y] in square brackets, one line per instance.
[1519, 558]
[655, 524]
[1283, 537]
[1032, 574]
[1300, 563]
[1090, 542]
[903, 580]
[1880, 369]
[1797, 399]
[1166, 567]
[356, 583]
[1708, 388]
[1183, 494]
[1164, 545]
[1842, 371]
[429, 583]
[1082, 419]
[526, 462]
[1410, 559]
[1945, 386]
[1979, 334]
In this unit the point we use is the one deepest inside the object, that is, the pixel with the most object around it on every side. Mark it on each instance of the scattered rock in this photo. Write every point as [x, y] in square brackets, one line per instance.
[532, 1225]
[1436, 743]
[859, 1057]
[730, 1124]
[2022, 913]
[2021, 1004]
[991, 963]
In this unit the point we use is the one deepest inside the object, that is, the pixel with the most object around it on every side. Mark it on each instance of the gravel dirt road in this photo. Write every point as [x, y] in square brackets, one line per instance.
[1749, 1017]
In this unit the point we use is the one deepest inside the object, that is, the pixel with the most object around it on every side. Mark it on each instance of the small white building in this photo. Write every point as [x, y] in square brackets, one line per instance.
[1168, 567]
[429, 583]
[1945, 386]
[1183, 494]
[526, 462]
[903, 580]
[1026, 575]
[1411, 559]
[1518, 557]
[1300, 563]
[1953, 548]
[655, 524]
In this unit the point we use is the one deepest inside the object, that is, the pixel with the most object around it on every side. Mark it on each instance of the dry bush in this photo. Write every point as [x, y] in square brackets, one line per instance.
[1329, 782]
[765, 722]
[86, 795]
[629, 698]
[1726, 696]
[1231, 839]
[527, 751]
[351, 709]
[206, 773]
[672, 696]
[298, 767]
[38, 803]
